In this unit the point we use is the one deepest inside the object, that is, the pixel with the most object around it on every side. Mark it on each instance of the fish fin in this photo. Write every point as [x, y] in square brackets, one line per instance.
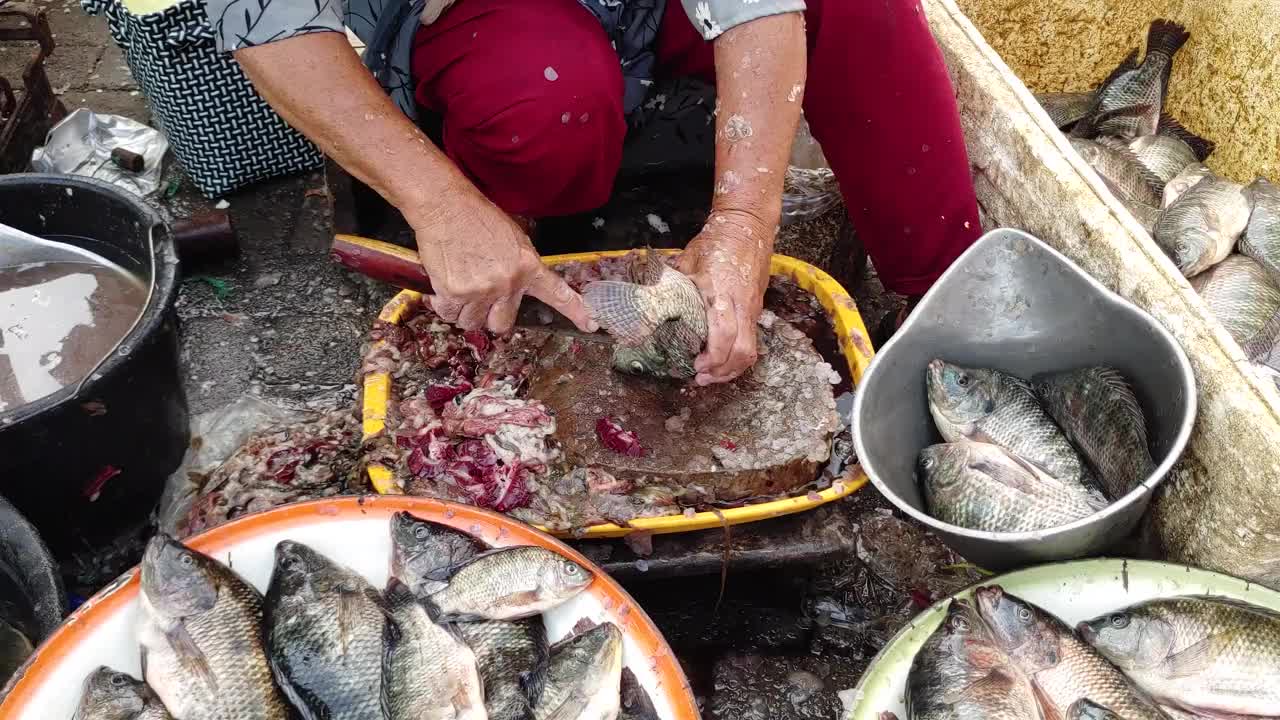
[1194, 660]
[1149, 178]
[532, 682]
[190, 657]
[1166, 37]
[1120, 388]
[1048, 707]
[1006, 475]
[1170, 126]
[621, 308]
[571, 707]
[648, 267]
[1239, 605]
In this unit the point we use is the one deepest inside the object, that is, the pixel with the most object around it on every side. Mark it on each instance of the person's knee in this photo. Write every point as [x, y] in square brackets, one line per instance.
[554, 149]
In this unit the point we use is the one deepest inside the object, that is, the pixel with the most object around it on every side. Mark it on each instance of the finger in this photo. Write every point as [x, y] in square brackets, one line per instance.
[446, 308]
[722, 330]
[502, 314]
[551, 289]
[473, 315]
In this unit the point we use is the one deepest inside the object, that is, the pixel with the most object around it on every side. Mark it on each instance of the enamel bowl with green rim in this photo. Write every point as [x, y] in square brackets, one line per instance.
[1074, 591]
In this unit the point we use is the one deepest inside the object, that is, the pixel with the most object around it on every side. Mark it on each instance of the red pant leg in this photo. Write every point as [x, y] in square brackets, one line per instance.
[880, 102]
[531, 95]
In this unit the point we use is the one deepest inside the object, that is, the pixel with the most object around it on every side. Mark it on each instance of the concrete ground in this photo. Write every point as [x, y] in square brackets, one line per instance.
[771, 620]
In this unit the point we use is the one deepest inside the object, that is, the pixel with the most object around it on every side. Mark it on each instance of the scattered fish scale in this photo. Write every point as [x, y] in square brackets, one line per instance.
[1200, 229]
[982, 487]
[1098, 411]
[1242, 297]
[1207, 654]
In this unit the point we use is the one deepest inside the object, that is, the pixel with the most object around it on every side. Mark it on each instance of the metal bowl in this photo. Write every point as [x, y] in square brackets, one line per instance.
[1012, 303]
[1073, 591]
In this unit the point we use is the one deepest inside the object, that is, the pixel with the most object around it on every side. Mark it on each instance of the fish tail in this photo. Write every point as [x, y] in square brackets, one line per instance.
[1166, 37]
[1170, 126]
[620, 308]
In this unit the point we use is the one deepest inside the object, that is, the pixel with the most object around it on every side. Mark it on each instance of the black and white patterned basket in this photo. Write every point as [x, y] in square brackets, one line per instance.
[222, 132]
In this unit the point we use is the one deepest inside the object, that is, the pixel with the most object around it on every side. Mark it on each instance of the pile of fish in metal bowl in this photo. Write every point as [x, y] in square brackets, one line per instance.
[462, 629]
[1092, 640]
[1223, 235]
[1022, 456]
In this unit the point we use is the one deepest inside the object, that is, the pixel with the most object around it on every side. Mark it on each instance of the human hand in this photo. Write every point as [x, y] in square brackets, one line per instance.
[481, 264]
[729, 262]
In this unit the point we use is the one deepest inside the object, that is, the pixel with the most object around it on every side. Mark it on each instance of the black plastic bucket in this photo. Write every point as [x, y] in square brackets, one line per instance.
[91, 459]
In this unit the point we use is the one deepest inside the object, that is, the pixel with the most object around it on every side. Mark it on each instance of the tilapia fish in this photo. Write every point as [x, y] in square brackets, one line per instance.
[636, 704]
[960, 674]
[1096, 408]
[1063, 668]
[1065, 108]
[584, 678]
[1136, 85]
[1201, 227]
[202, 642]
[1164, 155]
[510, 584]
[1261, 239]
[429, 673]
[990, 406]
[659, 320]
[424, 553]
[1188, 178]
[1241, 296]
[112, 695]
[1120, 170]
[983, 487]
[512, 659]
[324, 635]
[1202, 653]
[1085, 709]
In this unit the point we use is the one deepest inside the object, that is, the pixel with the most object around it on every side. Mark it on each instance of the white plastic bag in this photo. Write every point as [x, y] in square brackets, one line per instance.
[82, 143]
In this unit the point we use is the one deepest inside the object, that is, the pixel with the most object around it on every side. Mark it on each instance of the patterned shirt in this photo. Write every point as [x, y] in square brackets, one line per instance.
[387, 28]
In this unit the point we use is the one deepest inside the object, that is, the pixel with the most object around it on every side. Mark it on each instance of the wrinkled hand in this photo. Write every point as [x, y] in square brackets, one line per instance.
[729, 262]
[482, 264]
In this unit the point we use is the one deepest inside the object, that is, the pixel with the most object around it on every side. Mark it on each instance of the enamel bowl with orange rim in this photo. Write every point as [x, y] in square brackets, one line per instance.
[353, 531]
[852, 339]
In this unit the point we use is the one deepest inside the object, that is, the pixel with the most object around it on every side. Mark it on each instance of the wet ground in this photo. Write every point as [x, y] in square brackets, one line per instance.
[771, 629]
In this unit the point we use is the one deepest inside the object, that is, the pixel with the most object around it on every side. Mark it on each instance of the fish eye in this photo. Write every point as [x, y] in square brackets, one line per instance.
[186, 560]
[420, 532]
[1024, 614]
[570, 568]
[637, 366]
[118, 680]
[960, 624]
[1119, 621]
[926, 463]
[963, 380]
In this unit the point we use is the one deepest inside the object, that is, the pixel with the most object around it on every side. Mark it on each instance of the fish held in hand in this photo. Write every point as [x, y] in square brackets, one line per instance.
[1136, 85]
[1242, 297]
[324, 628]
[960, 674]
[1120, 170]
[990, 406]
[584, 678]
[509, 584]
[983, 487]
[1064, 668]
[1205, 654]
[1098, 411]
[1201, 227]
[659, 320]
[113, 695]
[429, 673]
[424, 553]
[1261, 239]
[203, 650]
[512, 659]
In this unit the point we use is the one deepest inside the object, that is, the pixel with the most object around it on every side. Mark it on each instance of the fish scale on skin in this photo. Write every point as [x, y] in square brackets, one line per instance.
[659, 320]
[1200, 229]
[1096, 408]
[112, 695]
[429, 673]
[1062, 668]
[1205, 654]
[982, 487]
[991, 406]
[1134, 84]
[509, 584]
[1242, 297]
[324, 628]
[1165, 156]
[1120, 170]
[202, 641]
[1261, 239]
[959, 674]
[1065, 108]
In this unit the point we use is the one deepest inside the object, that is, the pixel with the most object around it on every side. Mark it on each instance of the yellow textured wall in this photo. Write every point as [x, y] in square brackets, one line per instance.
[1226, 79]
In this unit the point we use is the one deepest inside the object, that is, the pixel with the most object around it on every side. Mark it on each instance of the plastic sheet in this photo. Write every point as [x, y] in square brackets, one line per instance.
[215, 435]
[82, 143]
[810, 189]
